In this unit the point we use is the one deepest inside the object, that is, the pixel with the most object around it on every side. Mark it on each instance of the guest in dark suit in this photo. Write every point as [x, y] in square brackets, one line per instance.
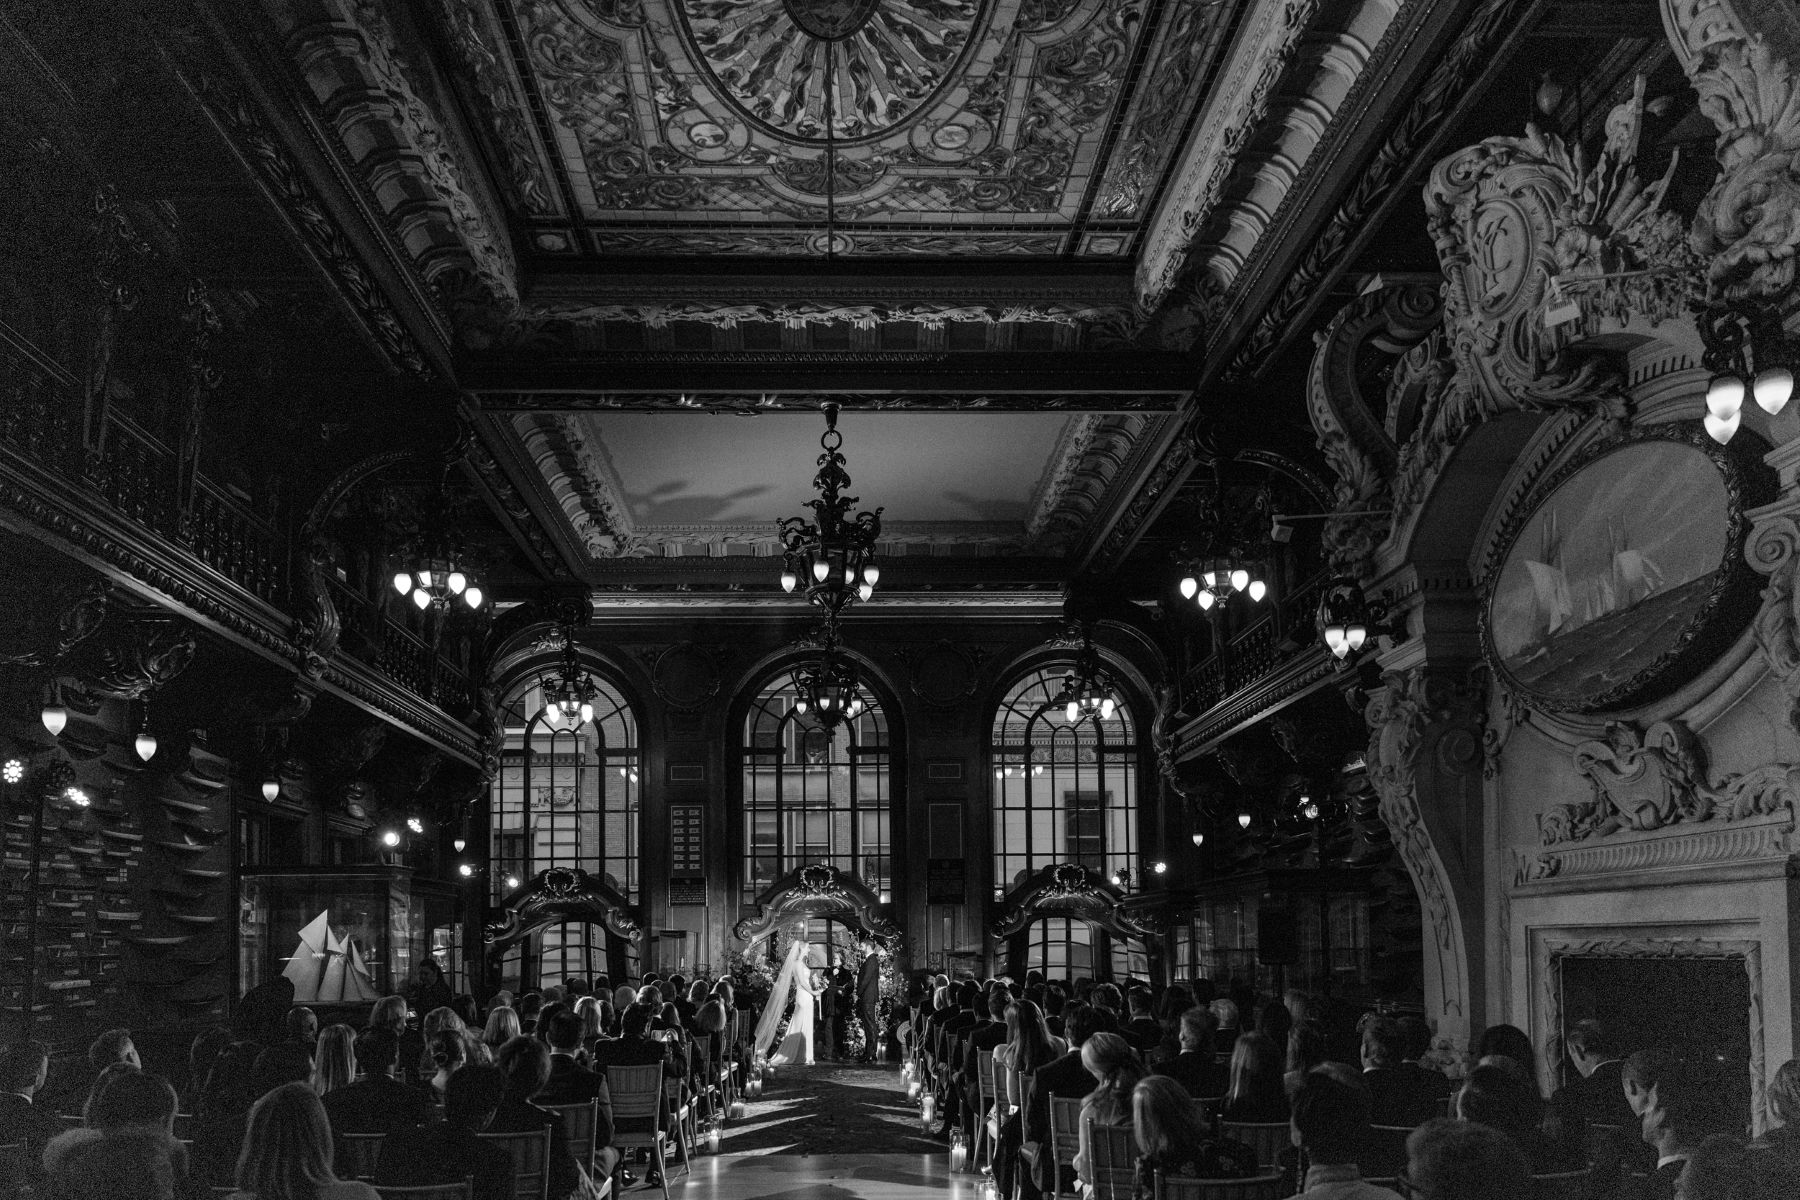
[1197, 1068]
[572, 1083]
[1140, 1029]
[827, 1021]
[1597, 1095]
[868, 997]
[377, 1103]
[1065, 1077]
[985, 1036]
[449, 1151]
[24, 1066]
[525, 1062]
[1461, 1160]
[635, 1047]
[1415, 1036]
[1396, 1097]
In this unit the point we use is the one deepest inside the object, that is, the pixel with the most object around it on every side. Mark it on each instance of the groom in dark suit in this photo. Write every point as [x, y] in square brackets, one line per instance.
[868, 998]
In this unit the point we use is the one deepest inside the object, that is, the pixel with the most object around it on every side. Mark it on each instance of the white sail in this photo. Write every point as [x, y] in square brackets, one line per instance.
[1635, 577]
[358, 985]
[306, 966]
[1550, 589]
[332, 986]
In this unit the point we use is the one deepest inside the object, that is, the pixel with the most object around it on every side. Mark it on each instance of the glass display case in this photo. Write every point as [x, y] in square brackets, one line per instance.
[344, 935]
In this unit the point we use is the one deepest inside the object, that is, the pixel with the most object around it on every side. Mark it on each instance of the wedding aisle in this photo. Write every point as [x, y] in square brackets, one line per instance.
[829, 1132]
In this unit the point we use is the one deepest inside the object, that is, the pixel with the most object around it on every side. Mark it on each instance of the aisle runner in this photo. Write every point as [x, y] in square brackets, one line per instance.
[832, 1108]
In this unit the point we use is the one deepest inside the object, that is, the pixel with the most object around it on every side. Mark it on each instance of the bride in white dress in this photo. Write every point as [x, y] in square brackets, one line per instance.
[796, 975]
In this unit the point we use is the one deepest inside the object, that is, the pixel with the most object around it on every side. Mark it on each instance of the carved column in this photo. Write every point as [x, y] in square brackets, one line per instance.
[1773, 549]
[1425, 762]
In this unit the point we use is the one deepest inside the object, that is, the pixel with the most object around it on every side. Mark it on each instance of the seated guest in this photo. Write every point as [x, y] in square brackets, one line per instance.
[526, 1064]
[1067, 1077]
[1175, 1000]
[1415, 1042]
[1331, 1124]
[24, 1066]
[224, 1109]
[334, 1062]
[1681, 1116]
[1274, 1022]
[103, 1081]
[1029, 1045]
[1140, 1028]
[448, 1053]
[571, 1083]
[1500, 1100]
[635, 1047]
[1396, 1097]
[1781, 1142]
[113, 1046]
[378, 1102]
[1196, 1068]
[502, 1027]
[1254, 1094]
[390, 1015]
[1723, 1169]
[1460, 1160]
[448, 1151]
[442, 1020]
[127, 1149]
[464, 1007]
[1306, 1049]
[288, 1151]
[207, 1045]
[1110, 1059]
[1225, 1017]
[1509, 1041]
[289, 1062]
[301, 1025]
[1173, 1137]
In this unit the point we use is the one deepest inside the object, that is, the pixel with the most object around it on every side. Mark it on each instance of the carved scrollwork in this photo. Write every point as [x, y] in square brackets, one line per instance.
[1069, 890]
[562, 894]
[1771, 550]
[139, 658]
[76, 621]
[819, 890]
[317, 628]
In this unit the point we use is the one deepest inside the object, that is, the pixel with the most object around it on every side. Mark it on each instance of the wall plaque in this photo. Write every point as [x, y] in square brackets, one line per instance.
[687, 851]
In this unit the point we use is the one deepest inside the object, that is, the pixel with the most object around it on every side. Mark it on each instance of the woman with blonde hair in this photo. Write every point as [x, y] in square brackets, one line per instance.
[449, 1053]
[334, 1062]
[502, 1027]
[1110, 1059]
[1173, 1137]
[624, 996]
[1256, 1095]
[287, 1151]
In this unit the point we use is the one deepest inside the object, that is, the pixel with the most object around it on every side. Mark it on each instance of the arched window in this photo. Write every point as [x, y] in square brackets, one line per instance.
[812, 796]
[568, 797]
[1061, 793]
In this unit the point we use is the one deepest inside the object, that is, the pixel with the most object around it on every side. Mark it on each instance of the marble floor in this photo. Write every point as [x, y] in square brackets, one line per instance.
[821, 1177]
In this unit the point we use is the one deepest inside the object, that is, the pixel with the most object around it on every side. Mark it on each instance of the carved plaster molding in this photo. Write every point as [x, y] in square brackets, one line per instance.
[475, 34]
[137, 657]
[723, 312]
[1765, 839]
[1091, 455]
[1425, 727]
[806, 400]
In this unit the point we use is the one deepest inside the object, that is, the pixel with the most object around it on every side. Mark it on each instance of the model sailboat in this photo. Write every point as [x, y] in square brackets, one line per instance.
[327, 969]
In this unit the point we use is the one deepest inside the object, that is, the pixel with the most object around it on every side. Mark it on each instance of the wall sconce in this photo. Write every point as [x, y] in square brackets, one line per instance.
[1347, 618]
[1725, 331]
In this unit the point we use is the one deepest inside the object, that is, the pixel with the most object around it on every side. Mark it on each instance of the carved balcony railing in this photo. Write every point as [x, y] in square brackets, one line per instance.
[131, 488]
[1261, 665]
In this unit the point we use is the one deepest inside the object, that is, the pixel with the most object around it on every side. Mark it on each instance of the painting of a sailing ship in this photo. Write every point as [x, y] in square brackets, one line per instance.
[1609, 571]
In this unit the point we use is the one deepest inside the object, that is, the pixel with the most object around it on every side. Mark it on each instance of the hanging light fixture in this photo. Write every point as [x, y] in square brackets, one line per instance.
[1087, 689]
[1347, 619]
[569, 696]
[145, 742]
[54, 714]
[438, 573]
[826, 687]
[271, 788]
[831, 559]
[1725, 332]
[1213, 581]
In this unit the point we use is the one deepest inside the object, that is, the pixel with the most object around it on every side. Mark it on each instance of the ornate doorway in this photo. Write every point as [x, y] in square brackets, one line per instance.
[1068, 921]
[820, 890]
[554, 898]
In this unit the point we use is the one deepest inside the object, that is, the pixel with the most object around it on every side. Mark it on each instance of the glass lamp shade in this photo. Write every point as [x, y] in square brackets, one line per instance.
[271, 788]
[1258, 589]
[402, 582]
[587, 713]
[800, 705]
[789, 581]
[820, 569]
[1336, 641]
[424, 579]
[849, 576]
[473, 597]
[390, 838]
[421, 598]
[460, 844]
[1205, 599]
[457, 581]
[1725, 396]
[1240, 579]
[145, 745]
[1072, 712]
[1722, 429]
[1355, 636]
[1189, 585]
[1243, 820]
[1198, 838]
[55, 718]
[864, 591]
[1106, 709]
[1211, 578]
[1773, 388]
[871, 574]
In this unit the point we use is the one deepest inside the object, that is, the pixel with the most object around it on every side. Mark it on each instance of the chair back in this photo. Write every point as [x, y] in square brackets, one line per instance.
[13, 1158]
[578, 1124]
[1114, 1167]
[530, 1151]
[1065, 1138]
[984, 1079]
[356, 1154]
[430, 1191]
[1267, 1138]
[1251, 1187]
[637, 1104]
[1387, 1150]
[1561, 1185]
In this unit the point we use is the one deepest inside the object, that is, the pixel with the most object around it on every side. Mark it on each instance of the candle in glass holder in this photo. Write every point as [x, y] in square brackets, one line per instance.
[959, 1152]
[713, 1134]
[928, 1110]
[913, 1088]
[753, 1087]
[736, 1111]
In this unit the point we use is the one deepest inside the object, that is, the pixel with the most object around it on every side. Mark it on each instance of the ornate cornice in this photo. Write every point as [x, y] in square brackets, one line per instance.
[478, 40]
[729, 402]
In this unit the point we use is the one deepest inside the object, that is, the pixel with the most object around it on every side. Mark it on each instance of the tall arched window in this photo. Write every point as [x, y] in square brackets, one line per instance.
[812, 796]
[568, 796]
[1061, 793]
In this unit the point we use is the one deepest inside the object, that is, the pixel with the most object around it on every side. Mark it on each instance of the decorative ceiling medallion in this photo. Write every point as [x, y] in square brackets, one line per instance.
[889, 58]
[831, 20]
[1627, 576]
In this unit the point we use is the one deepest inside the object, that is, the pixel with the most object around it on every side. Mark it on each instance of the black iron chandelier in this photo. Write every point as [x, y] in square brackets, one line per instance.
[437, 573]
[1087, 690]
[1348, 618]
[832, 558]
[569, 696]
[1216, 580]
[826, 685]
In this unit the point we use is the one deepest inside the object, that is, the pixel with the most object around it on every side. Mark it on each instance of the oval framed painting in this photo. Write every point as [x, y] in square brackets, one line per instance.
[1627, 576]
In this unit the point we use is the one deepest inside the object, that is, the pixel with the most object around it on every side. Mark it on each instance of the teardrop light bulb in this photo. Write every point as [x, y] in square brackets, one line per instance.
[421, 599]
[458, 581]
[1189, 585]
[1240, 579]
[871, 574]
[1721, 429]
[789, 581]
[146, 746]
[1773, 388]
[1258, 589]
[402, 582]
[473, 597]
[55, 717]
[820, 569]
[1725, 396]
[1205, 599]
